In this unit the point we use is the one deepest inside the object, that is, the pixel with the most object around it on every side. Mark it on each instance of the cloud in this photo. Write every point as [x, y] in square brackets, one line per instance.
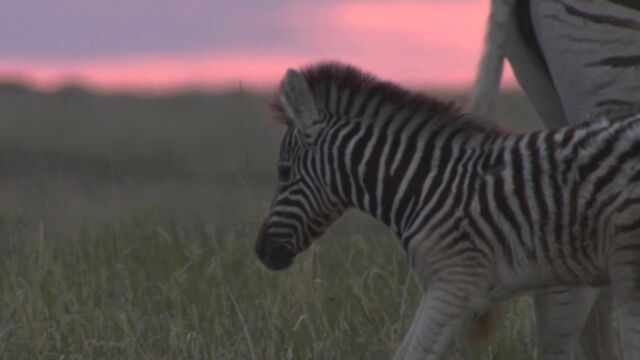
[163, 45]
[435, 44]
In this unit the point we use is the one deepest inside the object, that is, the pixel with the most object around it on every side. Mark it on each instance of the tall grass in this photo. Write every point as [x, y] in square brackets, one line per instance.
[127, 228]
[152, 289]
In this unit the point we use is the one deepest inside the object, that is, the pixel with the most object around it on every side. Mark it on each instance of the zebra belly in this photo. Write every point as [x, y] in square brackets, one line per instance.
[538, 275]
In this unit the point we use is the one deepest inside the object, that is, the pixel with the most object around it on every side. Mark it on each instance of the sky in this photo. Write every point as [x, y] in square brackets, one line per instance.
[160, 45]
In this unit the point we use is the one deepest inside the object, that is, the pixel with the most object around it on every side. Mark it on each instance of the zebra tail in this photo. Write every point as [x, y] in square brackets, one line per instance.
[487, 83]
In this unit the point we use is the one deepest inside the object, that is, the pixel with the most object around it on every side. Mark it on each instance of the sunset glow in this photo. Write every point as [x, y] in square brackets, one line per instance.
[421, 44]
[155, 74]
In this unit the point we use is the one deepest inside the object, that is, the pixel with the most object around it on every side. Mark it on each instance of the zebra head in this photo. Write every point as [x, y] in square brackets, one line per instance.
[302, 207]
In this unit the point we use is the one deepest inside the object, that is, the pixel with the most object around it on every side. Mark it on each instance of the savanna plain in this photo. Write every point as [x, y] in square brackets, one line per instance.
[127, 231]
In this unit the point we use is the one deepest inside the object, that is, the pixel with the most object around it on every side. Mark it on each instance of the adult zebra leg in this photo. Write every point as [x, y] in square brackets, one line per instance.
[561, 313]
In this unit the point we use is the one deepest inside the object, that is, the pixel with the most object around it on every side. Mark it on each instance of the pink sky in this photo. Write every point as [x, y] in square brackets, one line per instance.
[417, 43]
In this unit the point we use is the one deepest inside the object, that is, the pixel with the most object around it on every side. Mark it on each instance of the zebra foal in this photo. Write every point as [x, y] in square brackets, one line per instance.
[483, 215]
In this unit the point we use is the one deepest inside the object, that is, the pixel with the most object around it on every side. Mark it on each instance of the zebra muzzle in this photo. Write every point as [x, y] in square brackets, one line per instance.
[273, 252]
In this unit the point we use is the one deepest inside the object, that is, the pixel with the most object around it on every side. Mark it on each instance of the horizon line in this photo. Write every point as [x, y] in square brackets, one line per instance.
[256, 72]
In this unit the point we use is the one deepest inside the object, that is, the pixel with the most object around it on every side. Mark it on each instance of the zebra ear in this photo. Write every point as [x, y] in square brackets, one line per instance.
[298, 103]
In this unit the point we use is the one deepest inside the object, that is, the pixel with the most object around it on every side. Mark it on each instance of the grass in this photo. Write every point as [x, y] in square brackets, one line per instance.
[152, 289]
[127, 229]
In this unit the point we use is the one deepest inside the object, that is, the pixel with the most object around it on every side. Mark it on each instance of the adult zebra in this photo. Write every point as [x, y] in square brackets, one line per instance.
[574, 59]
[482, 215]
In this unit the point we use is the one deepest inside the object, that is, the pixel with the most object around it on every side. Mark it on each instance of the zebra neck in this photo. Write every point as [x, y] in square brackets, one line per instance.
[401, 179]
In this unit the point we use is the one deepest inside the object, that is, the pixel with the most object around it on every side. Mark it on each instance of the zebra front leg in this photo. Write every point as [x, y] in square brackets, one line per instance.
[561, 313]
[443, 311]
[408, 338]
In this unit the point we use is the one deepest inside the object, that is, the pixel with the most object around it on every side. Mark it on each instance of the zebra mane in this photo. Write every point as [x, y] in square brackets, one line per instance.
[347, 79]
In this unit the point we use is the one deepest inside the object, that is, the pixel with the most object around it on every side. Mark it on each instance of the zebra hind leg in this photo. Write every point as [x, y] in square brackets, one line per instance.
[624, 273]
[626, 293]
[600, 339]
[408, 339]
[561, 313]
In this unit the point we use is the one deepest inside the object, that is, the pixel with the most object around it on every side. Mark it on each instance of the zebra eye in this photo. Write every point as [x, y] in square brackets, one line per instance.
[284, 173]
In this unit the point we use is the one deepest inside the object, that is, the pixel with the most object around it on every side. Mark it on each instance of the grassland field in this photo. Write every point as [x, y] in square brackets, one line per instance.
[127, 227]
